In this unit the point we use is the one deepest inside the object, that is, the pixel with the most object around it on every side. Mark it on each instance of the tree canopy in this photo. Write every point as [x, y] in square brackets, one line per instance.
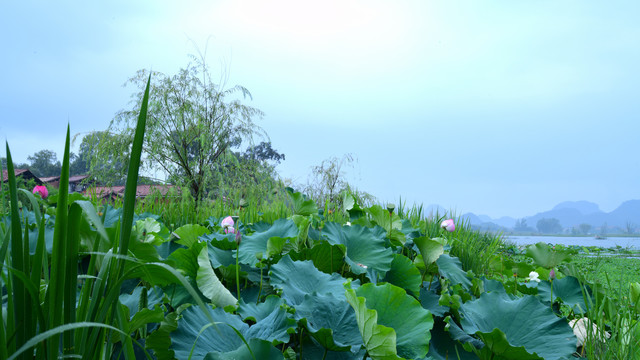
[549, 226]
[191, 123]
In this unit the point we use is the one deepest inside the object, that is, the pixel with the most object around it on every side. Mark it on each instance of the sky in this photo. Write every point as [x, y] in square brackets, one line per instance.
[491, 107]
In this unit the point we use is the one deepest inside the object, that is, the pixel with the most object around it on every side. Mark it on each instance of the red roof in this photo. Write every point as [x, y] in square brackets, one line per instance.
[77, 178]
[20, 172]
[141, 190]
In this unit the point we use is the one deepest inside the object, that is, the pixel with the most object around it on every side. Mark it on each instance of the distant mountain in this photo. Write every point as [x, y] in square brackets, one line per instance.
[584, 207]
[628, 211]
[570, 214]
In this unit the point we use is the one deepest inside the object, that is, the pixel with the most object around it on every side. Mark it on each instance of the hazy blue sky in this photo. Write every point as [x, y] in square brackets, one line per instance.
[493, 107]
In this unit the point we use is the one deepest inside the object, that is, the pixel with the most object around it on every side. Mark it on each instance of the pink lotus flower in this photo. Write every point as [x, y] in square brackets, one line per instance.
[42, 190]
[227, 225]
[552, 274]
[448, 225]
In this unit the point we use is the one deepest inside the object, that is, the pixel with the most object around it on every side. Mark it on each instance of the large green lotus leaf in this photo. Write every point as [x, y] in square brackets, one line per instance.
[330, 320]
[194, 328]
[274, 328]
[394, 309]
[210, 285]
[297, 278]
[521, 328]
[195, 331]
[491, 285]
[430, 300]
[132, 301]
[543, 255]
[456, 333]
[568, 289]
[256, 243]
[189, 234]
[314, 351]
[302, 205]
[382, 218]
[160, 340]
[221, 241]
[257, 312]
[111, 216]
[379, 340]
[429, 249]
[260, 349]
[219, 257]
[186, 259]
[362, 247]
[443, 347]
[451, 268]
[327, 258]
[404, 274]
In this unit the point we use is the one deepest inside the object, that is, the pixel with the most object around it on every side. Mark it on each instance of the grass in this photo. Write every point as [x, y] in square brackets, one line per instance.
[615, 273]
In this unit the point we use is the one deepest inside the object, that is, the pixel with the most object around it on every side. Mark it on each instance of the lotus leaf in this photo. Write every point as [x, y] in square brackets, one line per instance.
[210, 285]
[429, 249]
[330, 320]
[256, 243]
[391, 322]
[195, 333]
[326, 258]
[443, 347]
[543, 255]
[404, 274]
[361, 247]
[297, 278]
[568, 289]
[302, 205]
[450, 268]
[189, 234]
[259, 349]
[521, 328]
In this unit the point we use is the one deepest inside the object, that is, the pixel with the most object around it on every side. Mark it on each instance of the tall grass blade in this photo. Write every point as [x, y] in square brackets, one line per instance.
[132, 178]
[17, 262]
[56, 290]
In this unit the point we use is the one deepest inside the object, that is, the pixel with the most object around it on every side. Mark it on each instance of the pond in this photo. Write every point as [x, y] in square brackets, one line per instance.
[625, 242]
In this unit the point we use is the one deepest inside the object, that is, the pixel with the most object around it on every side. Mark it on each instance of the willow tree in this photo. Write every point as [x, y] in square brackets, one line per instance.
[192, 122]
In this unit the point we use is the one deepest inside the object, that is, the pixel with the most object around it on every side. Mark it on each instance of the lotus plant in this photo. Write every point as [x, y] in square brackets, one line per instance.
[42, 190]
[227, 225]
[448, 225]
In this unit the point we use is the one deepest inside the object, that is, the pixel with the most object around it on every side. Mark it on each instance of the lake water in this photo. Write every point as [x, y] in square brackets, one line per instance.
[630, 242]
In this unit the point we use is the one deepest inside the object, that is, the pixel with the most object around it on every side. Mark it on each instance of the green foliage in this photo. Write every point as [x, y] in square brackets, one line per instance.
[192, 124]
[549, 226]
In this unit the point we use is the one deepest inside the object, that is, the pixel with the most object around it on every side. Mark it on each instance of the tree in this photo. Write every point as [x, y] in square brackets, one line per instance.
[44, 163]
[191, 123]
[584, 228]
[549, 226]
[328, 179]
[263, 152]
[629, 227]
[521, 225]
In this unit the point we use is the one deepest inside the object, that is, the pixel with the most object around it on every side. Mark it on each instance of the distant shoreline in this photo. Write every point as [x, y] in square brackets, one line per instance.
[634, 236]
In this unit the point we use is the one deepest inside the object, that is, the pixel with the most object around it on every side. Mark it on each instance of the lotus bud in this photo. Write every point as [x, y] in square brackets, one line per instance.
[552, 274]
[448, 225]
[227, 223]
[42, 190]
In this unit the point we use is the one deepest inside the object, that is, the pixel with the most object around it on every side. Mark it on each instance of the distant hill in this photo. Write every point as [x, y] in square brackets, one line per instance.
[570, 214]
[584, 207]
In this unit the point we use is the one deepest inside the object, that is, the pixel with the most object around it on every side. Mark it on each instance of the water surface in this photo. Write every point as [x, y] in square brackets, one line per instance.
[630, 242]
